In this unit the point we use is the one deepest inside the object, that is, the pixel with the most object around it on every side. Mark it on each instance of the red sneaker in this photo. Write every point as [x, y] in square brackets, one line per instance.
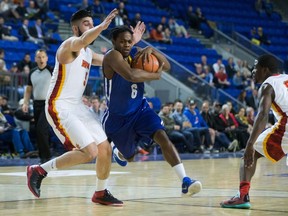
[35, 175]
[237, 202]
[143, 152]
[106, 198]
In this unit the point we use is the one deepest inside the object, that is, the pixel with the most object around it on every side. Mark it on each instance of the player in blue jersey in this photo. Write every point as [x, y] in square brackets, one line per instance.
[129, 118]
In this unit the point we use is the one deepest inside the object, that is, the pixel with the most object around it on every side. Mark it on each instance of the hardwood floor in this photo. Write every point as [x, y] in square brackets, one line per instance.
[147, 188]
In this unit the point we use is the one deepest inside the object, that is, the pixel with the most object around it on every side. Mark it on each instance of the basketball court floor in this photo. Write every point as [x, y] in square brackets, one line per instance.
[147, 186]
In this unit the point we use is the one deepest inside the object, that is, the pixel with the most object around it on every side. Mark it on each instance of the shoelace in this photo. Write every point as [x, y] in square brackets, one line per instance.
[108, 194]
[39, 180]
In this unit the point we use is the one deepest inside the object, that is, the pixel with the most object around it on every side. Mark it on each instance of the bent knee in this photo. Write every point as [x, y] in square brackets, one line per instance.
[91, 152]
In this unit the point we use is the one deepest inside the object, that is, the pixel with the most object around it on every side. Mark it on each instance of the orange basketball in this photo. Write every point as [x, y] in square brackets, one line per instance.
[152, 66]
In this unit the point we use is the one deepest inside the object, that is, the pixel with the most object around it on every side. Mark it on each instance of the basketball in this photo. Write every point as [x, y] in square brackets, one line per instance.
[152, 66]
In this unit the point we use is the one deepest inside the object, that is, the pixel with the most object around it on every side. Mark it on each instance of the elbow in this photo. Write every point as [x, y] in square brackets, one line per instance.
[166, 67]
[130, 77]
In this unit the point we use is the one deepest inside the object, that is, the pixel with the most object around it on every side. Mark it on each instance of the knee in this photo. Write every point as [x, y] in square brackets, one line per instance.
[91, 155]
[105, 149]
[92, 152]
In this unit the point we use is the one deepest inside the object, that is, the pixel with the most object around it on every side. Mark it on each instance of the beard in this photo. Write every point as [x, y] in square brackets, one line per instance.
[80, 33]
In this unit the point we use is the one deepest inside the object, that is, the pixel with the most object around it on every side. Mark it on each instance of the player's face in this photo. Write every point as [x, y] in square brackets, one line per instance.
[84, 25]
[123, 43]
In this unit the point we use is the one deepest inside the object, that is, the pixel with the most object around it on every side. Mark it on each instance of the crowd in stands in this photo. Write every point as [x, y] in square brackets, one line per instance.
[209, 128]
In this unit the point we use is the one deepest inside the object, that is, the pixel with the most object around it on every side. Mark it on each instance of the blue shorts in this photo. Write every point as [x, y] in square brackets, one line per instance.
[126, 131]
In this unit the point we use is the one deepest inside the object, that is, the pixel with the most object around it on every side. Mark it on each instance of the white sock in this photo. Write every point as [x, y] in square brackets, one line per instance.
[101, 184]
[180, 171]
[49, 165]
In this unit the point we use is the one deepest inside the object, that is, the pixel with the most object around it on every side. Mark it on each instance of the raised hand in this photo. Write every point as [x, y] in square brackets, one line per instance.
[138, 31]
[106, 22]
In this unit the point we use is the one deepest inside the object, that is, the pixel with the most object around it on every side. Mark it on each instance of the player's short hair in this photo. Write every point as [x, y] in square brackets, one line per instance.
[79, 15]
[118, 30]
[269, 61]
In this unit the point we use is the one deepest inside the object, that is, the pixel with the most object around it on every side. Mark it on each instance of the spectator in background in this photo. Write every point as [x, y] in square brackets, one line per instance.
[242, 99]
[95, 108]
[202, 20]
[221, 140]
[252, 100]
[2, 57]
[38, 31]
[204, 62]
[43, 8]
[33, 12]
[238, 80]
[18, 79]
[176, 29]
[25, 33]
[262, 37]
[7, 9]
[98, 10]
[23, 119]
[122, 18]
[192, 19]
[243, 121]
[230, 68]
[221, 80]
[167, 35]
[216, 66]
[185, 125]
[197, 122]
[250, 113]
[208, 75]
[5, 33]
[163, 22]
[26, 62]
[21, 10]
[20, 138]
[174, 132]
[136, 19]
[232, 126]
[157, 35]
[4, 77]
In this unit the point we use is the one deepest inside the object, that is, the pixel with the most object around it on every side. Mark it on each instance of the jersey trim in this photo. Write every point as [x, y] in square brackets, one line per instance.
[52, 108]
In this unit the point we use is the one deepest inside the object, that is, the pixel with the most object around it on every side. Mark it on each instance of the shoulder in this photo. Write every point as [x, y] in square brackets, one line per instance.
[49, 68]
[33, 70]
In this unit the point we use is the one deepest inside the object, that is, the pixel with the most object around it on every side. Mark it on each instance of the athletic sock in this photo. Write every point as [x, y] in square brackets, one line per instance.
[180, 171]
[244, 188]
[101, 184]
[49, 165]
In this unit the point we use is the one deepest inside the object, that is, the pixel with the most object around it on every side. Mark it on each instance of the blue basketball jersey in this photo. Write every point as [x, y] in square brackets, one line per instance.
[123, 97]
[128, 118]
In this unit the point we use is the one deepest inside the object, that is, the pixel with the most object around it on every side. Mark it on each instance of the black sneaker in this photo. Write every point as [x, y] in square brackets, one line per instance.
[106, 198]
[35, 175]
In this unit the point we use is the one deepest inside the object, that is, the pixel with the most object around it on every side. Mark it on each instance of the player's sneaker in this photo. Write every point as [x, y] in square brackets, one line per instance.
[143, 152]
[35, 175]
[237, 202]
[190, 187]
[117, 159]
[106, 198]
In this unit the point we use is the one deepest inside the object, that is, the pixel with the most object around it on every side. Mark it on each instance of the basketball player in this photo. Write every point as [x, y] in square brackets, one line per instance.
[70, 119]
[129, 118]
[271, 143]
